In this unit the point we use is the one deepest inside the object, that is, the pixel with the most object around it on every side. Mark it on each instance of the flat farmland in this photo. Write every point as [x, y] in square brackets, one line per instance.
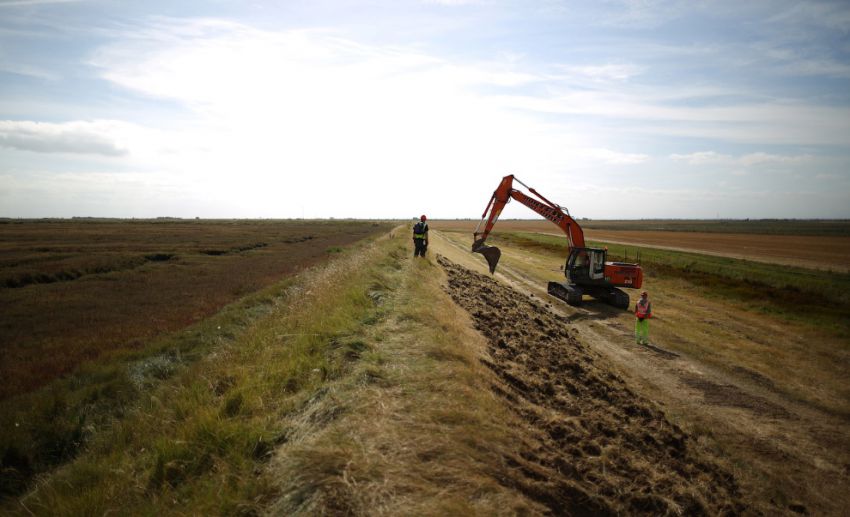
[74, 290]
[819, 249]
[431, 382]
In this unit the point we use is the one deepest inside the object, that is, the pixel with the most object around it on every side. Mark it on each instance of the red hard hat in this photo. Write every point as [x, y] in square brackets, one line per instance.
[422, 218]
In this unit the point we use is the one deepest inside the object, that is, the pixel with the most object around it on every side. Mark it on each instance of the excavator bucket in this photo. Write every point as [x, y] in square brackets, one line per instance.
[491, 253]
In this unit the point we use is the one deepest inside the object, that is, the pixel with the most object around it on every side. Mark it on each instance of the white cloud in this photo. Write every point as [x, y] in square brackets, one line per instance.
[607, 72]
[766, 158]
[314, 78]
[776, 56]
[817, 67]
[747, 160]
[615, 157]
[702, 158]
[829, 15]
[310, 78]
[453, 2]
[130, 194]
[657, 113]
[97, 137]
[645, 13]
[28, 70]
[15, 3]
[305, 110]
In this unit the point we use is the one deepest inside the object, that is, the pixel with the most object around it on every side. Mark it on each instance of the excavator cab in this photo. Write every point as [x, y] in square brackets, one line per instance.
[589, 273]
[586, 265]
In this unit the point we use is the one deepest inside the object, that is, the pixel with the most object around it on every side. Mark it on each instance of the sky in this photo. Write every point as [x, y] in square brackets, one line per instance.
[392, 109]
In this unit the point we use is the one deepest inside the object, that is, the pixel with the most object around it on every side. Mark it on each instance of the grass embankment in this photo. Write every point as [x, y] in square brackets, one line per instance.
[349, 379]
[819, 299]
[422, 432]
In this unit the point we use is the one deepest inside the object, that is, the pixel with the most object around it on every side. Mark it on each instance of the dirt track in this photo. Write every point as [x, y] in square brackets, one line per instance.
[600, 447]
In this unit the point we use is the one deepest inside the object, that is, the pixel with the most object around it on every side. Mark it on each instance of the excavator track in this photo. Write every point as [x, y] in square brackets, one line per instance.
[572, 293]
[611, 296]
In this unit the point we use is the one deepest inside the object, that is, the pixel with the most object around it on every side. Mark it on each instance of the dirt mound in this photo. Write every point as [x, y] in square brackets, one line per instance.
[593, 446]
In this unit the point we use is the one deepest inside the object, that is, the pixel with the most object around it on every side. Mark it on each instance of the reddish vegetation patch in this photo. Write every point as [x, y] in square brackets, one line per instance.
[595, 447]
[71, 291]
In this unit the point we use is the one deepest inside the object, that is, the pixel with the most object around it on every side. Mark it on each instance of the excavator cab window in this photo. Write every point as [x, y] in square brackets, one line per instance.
[578, 265]
[586, 264]
[597, 264]
[580, 260]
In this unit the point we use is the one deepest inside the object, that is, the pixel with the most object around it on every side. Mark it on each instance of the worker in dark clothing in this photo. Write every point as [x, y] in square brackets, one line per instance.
[420, 237]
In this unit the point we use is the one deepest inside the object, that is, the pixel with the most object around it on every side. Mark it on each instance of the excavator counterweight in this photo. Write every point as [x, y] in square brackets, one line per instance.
[586, 269]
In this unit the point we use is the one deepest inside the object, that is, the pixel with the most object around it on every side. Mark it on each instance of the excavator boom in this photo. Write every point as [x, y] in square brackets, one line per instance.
[501, 196]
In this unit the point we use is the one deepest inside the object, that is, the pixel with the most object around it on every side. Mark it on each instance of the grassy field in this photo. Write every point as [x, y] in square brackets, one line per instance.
[96, 311]
[72, 291]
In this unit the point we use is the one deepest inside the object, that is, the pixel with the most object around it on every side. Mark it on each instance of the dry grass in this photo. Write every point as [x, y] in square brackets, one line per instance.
[418, 432]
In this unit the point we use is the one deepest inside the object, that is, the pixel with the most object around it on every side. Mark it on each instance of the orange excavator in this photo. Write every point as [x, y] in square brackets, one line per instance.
[586, 269]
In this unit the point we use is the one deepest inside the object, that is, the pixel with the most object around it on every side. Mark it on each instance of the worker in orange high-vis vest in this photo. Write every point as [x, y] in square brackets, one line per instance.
[643, 311]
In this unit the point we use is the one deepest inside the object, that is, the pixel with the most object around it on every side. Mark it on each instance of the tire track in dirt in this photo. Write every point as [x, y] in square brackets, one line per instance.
[596, 447]
[731, 396]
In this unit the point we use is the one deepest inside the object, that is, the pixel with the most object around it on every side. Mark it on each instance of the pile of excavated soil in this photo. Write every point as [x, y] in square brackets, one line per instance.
[593, 446]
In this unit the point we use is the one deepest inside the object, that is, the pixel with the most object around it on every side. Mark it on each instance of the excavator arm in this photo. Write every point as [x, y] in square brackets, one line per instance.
[501, 196]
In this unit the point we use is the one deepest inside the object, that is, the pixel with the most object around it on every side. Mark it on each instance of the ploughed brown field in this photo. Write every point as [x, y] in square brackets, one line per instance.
[71, 291]
[811, 251]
